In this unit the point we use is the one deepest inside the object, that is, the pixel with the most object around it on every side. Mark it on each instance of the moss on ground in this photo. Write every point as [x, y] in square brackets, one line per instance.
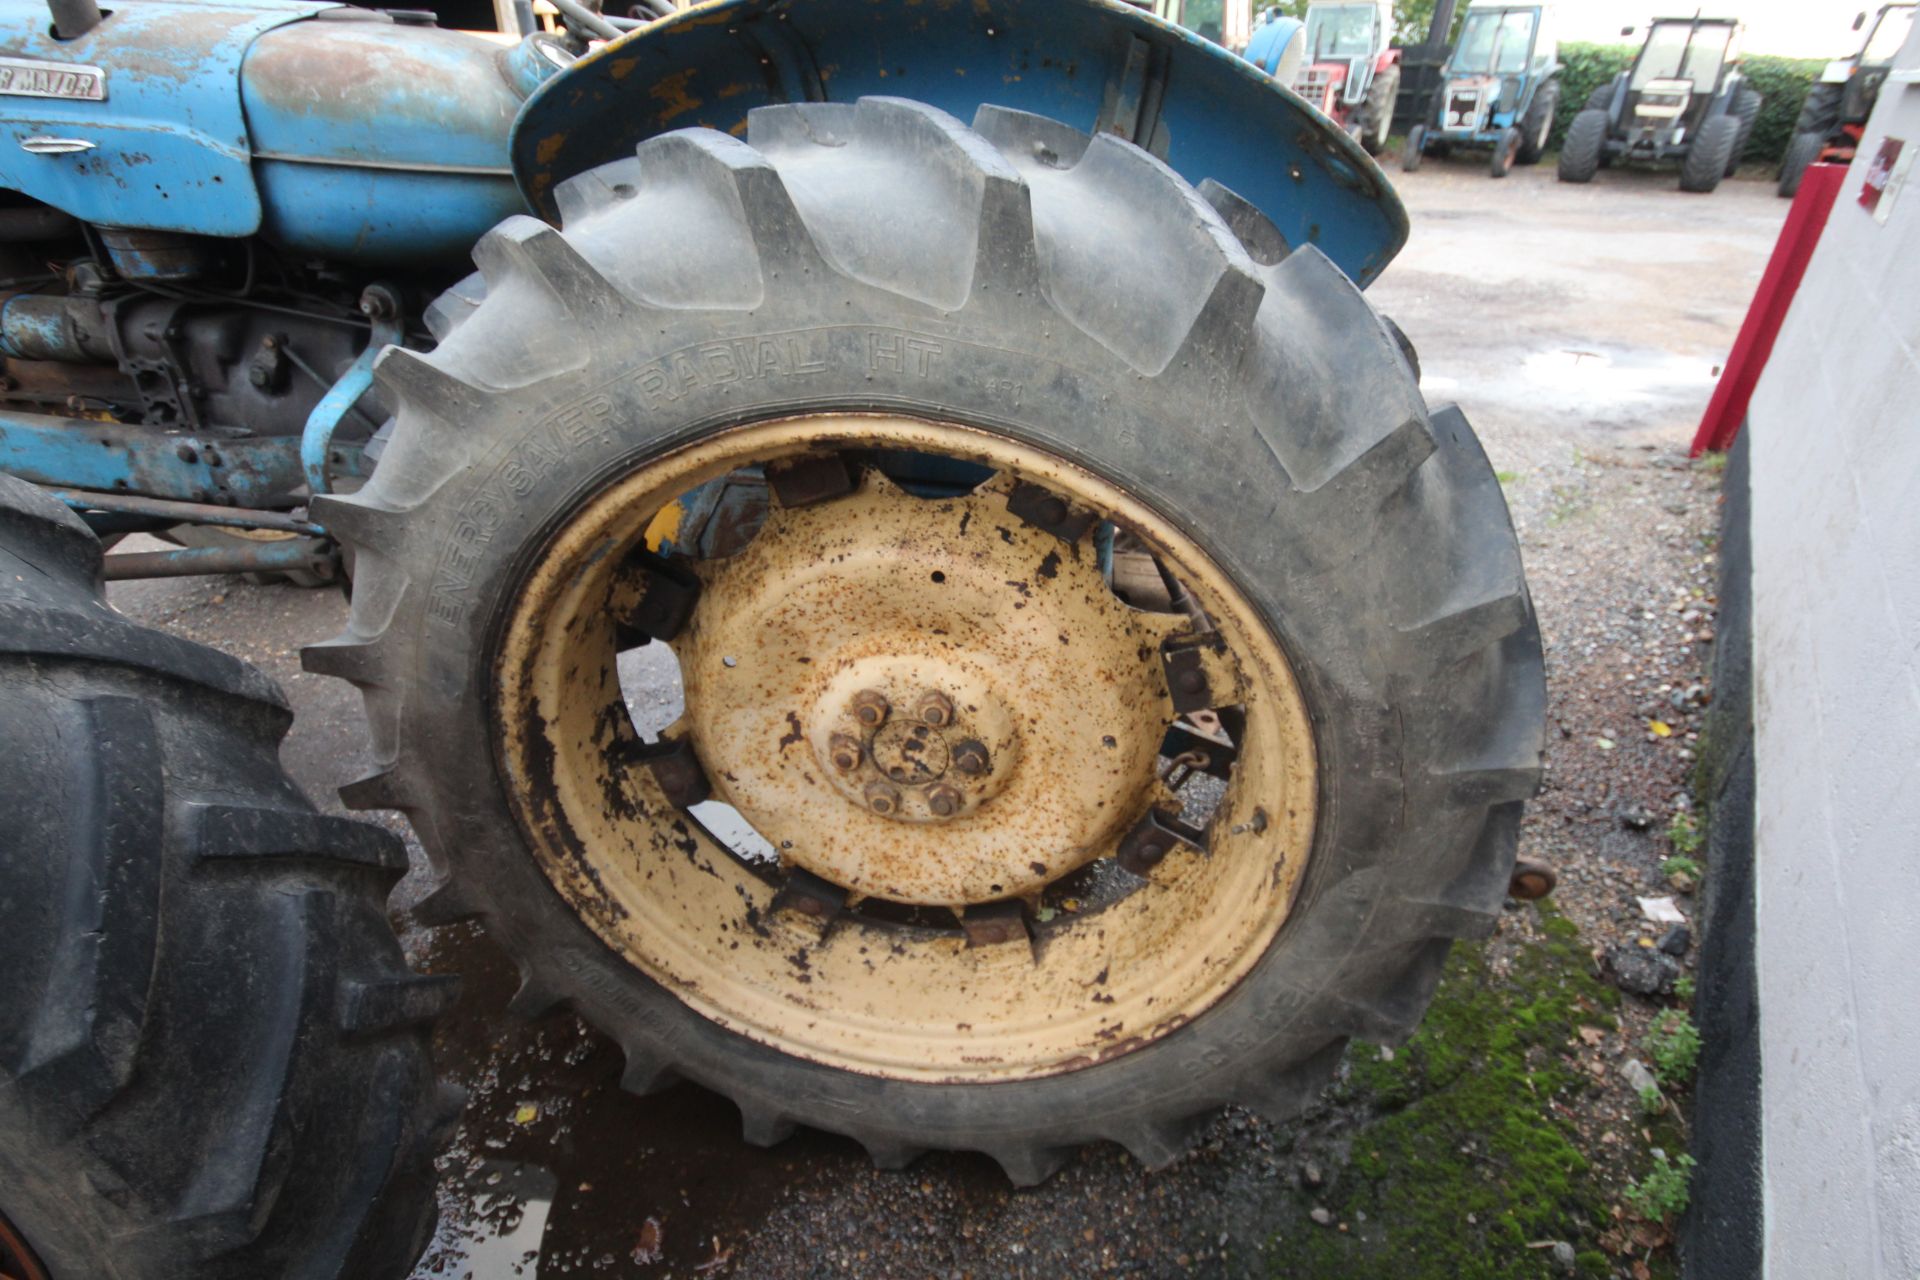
[1466, 1160]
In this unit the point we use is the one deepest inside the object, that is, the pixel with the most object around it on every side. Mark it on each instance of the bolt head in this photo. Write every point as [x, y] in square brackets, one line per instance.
[944, 801]
[970, 758]
[935, 709]
[882, 798]
[844, 752]
[870, 708]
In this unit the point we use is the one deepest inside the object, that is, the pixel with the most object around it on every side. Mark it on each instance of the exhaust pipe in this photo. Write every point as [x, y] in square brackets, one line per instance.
[74, 18]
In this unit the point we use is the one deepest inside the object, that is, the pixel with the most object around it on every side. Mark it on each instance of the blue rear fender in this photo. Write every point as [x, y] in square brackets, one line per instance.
[1098, 65]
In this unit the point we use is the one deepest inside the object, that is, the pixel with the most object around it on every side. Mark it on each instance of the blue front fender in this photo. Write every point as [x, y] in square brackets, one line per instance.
[1099, 65]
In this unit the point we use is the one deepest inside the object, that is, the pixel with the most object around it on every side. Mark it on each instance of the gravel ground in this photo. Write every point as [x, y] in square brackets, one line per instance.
[1580, 328]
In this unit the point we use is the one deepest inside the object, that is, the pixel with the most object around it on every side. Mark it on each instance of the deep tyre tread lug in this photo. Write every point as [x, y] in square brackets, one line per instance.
[445, 904]
[763, 1128]
[647, 1072]
[355, 519]
[534, 998]
[85, 1037]
[1263, 241]
[1156, 1145]
[1281, 1097]
[740, 175]
[1027, 138]
[1031, 1166]
[526, 246]
[455, 307]
[225, 832]
[1319, 436]
[888, 1153]
[383, 789]
[369, 1007]
[419, 382]
[1469, 629]
[343, 658]
[224, 1197]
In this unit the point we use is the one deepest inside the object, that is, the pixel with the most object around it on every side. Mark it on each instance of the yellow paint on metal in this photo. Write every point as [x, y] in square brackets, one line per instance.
[887, 999]
[665, 526]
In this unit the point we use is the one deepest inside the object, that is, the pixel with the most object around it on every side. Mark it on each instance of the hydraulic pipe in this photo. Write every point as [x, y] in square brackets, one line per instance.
[260, 557]
[187, 512]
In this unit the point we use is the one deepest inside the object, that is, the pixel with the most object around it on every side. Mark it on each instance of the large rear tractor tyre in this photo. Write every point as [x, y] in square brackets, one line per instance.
[1746, 109]
[213, 1061]
[1537, 125]
[1377, 111]
[1802, 150]
[1580, 151]
[973, 916]
[1706, 160]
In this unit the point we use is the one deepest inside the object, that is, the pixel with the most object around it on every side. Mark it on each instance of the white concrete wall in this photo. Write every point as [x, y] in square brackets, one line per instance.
[1836, 539]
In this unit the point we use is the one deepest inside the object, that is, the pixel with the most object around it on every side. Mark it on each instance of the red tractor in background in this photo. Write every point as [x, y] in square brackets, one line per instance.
[1348, 71]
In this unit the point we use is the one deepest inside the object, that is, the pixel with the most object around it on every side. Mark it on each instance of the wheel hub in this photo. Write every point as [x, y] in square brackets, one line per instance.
[931, 702]
[858, 608]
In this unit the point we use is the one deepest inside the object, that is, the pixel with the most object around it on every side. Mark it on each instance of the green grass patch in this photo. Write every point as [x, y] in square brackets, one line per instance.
[1674, 1044]
[1662, 1195]
[1466, 1160]
[1508, 478]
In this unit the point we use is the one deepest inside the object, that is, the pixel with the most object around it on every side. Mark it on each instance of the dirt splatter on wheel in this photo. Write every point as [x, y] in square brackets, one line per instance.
[948, 845]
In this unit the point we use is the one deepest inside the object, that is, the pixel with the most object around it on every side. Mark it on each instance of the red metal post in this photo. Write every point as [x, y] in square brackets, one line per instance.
[1805, 220]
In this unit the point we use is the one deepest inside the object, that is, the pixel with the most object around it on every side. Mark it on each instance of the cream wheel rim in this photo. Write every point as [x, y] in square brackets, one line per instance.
[943, 721]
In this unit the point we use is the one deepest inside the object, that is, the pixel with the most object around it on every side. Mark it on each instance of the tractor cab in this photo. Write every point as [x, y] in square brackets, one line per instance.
[1347, 69]
[1498, 87]
[1865, 72]
[1675, 82]
[1343, 42]
[1833, 117]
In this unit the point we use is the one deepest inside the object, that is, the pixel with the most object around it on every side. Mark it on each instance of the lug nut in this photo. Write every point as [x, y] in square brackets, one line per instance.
[944, 801]
[882, 799]
[844, 752]
[935, 709]
[970, 757]
[870, 708]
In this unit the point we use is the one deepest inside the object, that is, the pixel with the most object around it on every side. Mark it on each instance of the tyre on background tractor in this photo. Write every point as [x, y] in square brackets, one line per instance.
[980, 907]
[1711, 155]
[1537, 127]
[213, 1060]
[1580, 149]
[1376, 113]
[1819, 117]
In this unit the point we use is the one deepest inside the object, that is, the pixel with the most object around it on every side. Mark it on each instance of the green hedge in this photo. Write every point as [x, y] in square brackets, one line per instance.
[1584, 68]
[1782, 82]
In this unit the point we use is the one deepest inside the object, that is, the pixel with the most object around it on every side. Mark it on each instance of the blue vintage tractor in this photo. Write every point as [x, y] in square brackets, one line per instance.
[1108, 686]
[1498, 89]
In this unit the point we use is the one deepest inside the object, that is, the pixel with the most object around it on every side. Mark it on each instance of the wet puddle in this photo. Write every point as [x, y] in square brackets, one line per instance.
[1595, 386]
[556, 1171]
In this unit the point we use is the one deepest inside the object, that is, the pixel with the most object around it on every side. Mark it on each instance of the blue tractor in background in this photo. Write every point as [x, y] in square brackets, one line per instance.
[973, 401]
[1499, 89]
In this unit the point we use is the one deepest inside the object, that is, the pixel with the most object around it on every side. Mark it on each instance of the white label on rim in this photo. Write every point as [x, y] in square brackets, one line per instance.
[25, 78]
